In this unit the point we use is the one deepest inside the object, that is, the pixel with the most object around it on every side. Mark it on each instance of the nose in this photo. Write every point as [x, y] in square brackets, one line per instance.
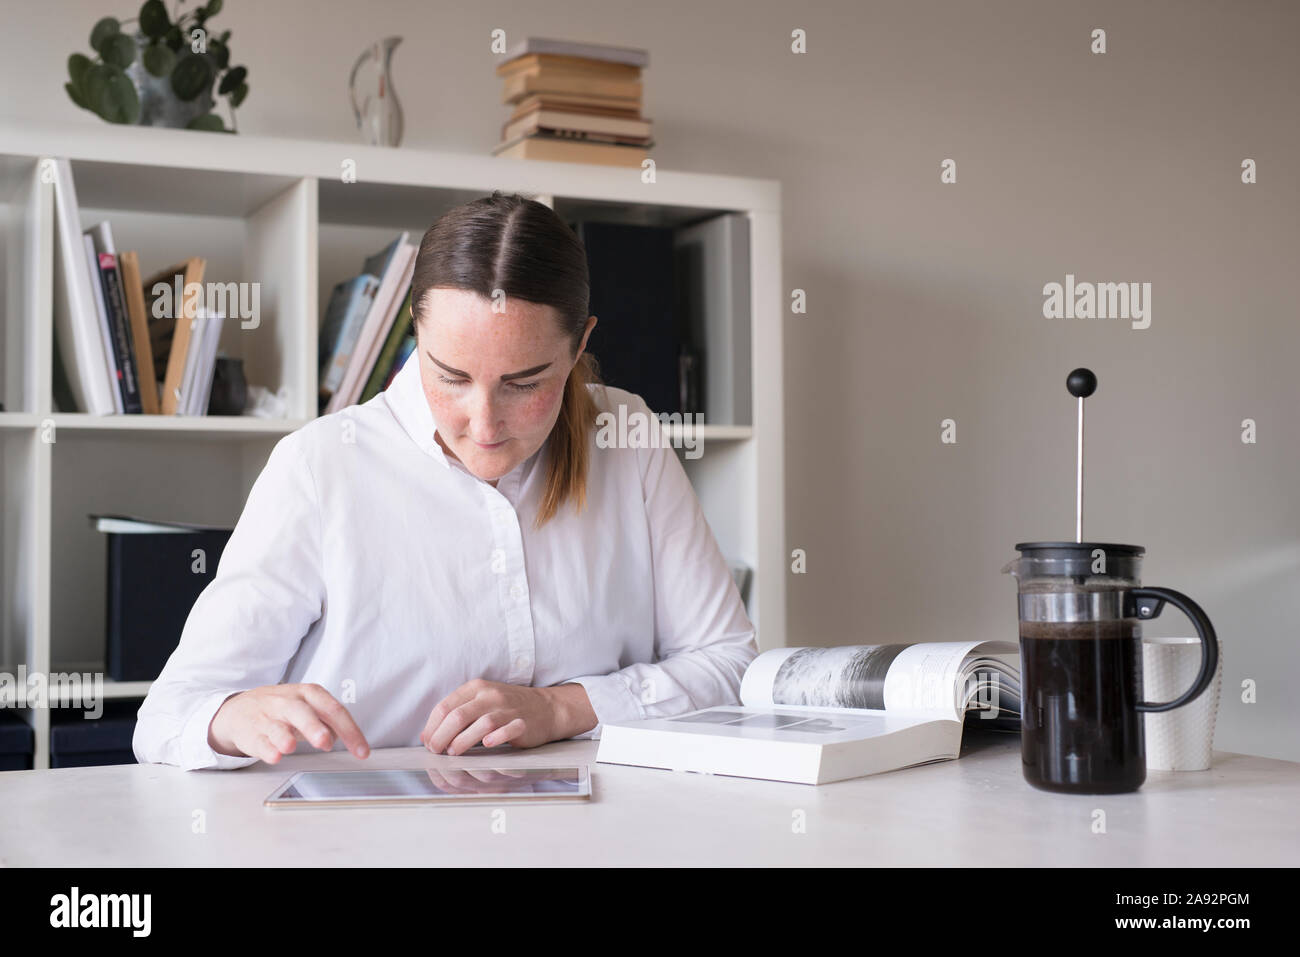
[483, 424]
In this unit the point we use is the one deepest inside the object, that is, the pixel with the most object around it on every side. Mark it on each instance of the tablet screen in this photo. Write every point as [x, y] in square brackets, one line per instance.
[459, 785]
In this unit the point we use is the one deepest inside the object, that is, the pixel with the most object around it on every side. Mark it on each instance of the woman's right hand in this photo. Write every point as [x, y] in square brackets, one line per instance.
[268, 722]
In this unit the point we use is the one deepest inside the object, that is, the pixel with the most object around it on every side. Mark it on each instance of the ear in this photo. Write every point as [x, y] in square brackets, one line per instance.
[586, 334]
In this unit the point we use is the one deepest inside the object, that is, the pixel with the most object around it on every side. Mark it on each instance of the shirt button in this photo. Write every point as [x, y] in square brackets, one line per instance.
[516, 591]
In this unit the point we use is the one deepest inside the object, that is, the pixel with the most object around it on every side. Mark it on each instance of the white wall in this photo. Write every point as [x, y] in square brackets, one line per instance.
[925, 300]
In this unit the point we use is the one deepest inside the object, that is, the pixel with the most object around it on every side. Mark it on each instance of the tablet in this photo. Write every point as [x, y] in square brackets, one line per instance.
[454, 785]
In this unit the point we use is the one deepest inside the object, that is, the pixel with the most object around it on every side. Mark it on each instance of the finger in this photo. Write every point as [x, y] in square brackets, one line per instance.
[483, 725]
[270, 741]
[263, 749]
[302, 717]
[457, 720]
[280, 734]
[337, 717]
[506, 733]
[460, 696]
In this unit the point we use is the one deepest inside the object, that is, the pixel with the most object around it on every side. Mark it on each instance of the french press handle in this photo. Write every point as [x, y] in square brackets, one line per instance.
[1147, 603]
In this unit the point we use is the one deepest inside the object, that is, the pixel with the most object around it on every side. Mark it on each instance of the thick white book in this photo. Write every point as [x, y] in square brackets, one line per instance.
[76, 318]
[816, 715]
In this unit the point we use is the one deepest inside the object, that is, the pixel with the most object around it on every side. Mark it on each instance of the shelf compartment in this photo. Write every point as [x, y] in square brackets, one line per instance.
[165, 476]
[249, 228]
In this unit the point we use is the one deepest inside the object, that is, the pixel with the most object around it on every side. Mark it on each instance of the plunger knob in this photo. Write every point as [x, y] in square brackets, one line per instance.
[1081, 383]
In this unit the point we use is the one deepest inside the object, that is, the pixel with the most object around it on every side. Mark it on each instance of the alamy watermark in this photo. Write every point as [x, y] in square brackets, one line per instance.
[640, 430]
[1103, 300]
[233, 300]
[57, 690]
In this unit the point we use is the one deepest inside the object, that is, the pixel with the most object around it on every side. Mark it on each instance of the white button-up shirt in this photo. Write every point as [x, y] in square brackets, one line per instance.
[369, 562]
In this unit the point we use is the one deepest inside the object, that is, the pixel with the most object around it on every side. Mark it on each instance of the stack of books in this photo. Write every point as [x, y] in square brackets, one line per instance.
[366, 334]
[575, 103]
[118, 349]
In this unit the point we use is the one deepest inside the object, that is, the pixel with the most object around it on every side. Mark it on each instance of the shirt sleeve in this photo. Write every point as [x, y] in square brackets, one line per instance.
[246, 625]
[703, 639]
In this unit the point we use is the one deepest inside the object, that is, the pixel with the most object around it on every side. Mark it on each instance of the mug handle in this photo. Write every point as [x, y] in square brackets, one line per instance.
[1146, 603]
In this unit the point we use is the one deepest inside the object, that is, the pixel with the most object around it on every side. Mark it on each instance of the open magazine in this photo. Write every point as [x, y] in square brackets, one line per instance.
[815, 715]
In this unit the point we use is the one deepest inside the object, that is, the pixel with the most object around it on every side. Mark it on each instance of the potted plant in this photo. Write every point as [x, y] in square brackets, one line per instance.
[160, 74]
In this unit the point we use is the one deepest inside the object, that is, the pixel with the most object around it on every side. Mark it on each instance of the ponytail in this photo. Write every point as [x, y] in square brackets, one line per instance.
[567, 456]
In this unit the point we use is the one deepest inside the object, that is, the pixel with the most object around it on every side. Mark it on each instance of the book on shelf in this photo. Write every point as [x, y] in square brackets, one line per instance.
[817, 715]
[395, 265]
[403, 353]
[81, 341]
[104, 253]
[348, 305]
[200, 363]
[133, 288]
[557, 149]
[103, 323]
[599, 52]
[170, 332]
[379, 375]
[577, 126]
[574, 102]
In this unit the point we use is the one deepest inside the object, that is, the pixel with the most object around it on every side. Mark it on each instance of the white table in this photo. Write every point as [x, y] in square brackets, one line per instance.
[976, 811]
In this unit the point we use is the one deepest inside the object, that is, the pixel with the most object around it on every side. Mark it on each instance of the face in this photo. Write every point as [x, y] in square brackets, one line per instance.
[494, 380]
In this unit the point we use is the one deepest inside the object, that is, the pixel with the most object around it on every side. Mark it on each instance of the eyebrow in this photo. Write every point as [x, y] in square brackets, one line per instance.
[505, 378]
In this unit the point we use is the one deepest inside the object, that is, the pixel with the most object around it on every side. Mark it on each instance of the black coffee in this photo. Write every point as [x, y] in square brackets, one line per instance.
[1081, 682]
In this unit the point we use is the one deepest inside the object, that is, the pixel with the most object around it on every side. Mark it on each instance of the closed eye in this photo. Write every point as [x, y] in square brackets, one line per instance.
[517, 386]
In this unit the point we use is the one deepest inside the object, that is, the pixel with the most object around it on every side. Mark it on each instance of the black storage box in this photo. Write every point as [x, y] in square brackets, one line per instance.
[77, 741]
[17, 742]
[152, 587]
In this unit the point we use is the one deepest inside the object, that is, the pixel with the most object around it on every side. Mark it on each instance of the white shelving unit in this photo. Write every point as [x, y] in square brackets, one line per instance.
[279, 212]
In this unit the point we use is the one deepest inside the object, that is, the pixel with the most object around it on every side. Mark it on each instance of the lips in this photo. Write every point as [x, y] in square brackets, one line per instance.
[494, 445]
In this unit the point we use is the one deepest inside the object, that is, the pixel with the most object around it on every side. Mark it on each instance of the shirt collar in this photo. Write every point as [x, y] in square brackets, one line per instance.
[407, 400]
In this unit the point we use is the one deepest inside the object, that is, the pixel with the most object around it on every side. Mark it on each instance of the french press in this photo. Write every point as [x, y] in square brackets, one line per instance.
[1081, 605]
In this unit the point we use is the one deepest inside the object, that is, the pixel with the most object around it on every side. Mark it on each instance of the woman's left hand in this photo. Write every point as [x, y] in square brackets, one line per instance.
[496, 713]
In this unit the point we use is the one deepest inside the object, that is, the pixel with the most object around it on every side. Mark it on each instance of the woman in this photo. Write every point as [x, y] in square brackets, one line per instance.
[458, 561]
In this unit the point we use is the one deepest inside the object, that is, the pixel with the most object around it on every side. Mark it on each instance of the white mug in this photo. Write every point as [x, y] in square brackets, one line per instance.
[1182, 739]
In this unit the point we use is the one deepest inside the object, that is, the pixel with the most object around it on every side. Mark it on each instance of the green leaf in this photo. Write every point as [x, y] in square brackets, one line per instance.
[191, 76]
[104, 29]
[78, 64]
[225, 36]
[220, 52]
[93, 81]
[118, 51]
[76, 97]
[213, 8]
[119, 103]
[233, 79]
[173, 38]
[154, 22]
[208, 121]
[237, 97]
[158, 59]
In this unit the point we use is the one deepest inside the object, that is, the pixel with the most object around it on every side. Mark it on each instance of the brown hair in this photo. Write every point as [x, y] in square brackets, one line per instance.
[520, 246]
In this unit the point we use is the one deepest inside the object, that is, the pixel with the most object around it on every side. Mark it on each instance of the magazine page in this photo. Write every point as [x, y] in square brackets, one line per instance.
[935, 678]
